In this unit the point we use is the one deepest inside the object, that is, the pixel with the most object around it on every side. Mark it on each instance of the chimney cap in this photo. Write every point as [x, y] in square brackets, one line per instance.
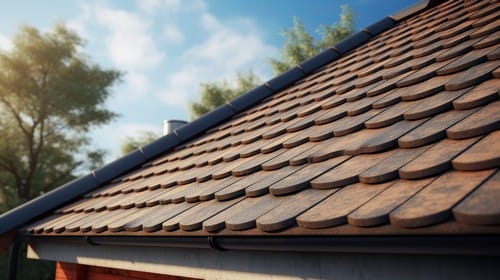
[170, 125]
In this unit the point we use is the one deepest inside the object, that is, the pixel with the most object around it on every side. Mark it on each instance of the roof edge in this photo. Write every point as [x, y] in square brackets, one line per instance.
[78, 187]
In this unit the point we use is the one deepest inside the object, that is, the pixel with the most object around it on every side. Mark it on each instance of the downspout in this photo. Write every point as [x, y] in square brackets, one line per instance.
[13, 260]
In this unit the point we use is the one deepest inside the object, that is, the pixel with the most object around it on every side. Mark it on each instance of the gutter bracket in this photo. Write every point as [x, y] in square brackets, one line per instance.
[90, 241]
[214, 245]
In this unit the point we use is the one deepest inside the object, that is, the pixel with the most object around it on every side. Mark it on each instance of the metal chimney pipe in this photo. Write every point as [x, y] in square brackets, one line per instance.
[170, 125]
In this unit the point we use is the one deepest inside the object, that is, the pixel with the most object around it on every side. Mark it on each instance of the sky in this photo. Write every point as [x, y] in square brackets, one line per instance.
[166, 48]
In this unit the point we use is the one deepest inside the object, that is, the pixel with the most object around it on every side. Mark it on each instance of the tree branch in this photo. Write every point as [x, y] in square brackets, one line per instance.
[15, 114]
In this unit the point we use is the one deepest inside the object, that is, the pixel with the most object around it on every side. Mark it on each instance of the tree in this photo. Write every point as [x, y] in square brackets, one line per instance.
[301, 45]
[214, 94]
[132, 143]
[51, 95]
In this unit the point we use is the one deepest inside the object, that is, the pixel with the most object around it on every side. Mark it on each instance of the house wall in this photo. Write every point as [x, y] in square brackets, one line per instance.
[210, 264]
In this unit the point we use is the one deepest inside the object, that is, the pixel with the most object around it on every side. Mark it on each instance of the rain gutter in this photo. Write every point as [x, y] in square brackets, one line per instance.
[433, 245]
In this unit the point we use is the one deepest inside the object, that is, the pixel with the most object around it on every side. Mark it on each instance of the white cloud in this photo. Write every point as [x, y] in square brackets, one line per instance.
[138, 84]
[172, 5]
[149, 6]
[128, 36]
[126, 40]
[226, 51]
[80, 22]
[173, 34]
[130, 41]
[238, 49]
[209, 22]
[190, 5]
[5, 43]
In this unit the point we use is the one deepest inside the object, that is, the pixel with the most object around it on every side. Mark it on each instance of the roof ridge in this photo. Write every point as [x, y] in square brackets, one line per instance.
[76, 188]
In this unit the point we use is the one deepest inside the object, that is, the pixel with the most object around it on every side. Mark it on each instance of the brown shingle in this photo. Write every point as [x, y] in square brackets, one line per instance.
[333, 210]
[479, 123]
[482, 155]
[387, 169]
[433, 129]
[435, 160]
[376, 211]
[348, 172]
[481, 207]
[283, 215]
[434, 203]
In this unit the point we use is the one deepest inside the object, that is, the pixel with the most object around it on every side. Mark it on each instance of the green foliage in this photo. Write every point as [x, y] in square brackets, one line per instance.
[132, 143]
[50, 97]
[301, 45]
[212, 95]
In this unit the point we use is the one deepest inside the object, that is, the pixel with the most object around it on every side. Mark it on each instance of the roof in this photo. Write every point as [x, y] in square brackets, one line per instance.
[394, 136]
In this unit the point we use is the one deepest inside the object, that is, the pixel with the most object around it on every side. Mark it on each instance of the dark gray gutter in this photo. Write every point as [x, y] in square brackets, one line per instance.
[434, 245]
[50, 201]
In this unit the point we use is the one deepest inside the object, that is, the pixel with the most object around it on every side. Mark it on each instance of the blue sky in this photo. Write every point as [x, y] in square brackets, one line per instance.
[168, 47]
